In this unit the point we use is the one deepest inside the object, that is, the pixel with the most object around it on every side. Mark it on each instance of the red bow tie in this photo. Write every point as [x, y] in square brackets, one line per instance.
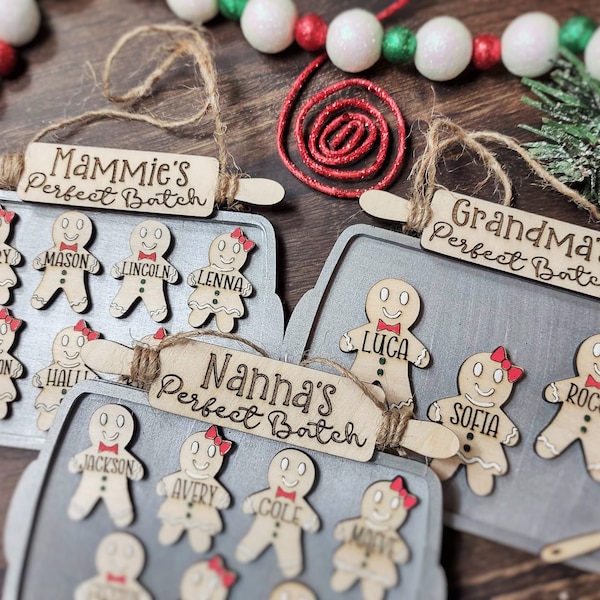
[223, 445]
[289, 495]
[407, 499]
[143, 255]
[116, 578]
[102, 447]
[227, 577]
[499, 355]
[82, 327]
[72, 248]
[8, 216]
[238, 235]
[383, 326]
[13, 323]
[591, 382]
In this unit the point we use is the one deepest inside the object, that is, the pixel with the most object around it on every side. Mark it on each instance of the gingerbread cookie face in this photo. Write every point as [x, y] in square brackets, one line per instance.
[67, 369]
[371, 545]
[65, 264]
[145, 271]
[120, 559]
[10, 367]
[220, 286]
[9, 257]
[209, 580]
[292, 590]
[194, 496]
[485, 383]
[282, 512]
[579, 415]
[106, 466]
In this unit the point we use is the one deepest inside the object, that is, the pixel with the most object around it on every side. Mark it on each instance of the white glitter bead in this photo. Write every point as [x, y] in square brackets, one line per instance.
[530, 44]
[268, 25]
[19, 21]
[354, 40]
[444, 49]
[194, 11]
[592, 55]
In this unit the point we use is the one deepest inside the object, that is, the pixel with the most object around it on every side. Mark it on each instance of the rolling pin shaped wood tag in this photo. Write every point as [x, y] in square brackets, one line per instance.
[273, 399]
[131, 180]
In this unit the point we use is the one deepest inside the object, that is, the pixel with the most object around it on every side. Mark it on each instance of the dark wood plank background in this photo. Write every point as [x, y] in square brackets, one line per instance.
[61, 77]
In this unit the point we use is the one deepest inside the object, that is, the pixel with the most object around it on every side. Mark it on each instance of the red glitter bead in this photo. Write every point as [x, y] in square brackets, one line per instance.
[486, 51]
[8, 59]
[311, 33]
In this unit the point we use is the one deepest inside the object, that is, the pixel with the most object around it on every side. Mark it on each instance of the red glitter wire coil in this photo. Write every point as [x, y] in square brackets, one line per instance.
[344, 132]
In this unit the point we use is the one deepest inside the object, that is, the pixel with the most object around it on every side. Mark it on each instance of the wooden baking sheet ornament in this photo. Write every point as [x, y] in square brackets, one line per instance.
[502, 238]
[9, 257]
[10, 367]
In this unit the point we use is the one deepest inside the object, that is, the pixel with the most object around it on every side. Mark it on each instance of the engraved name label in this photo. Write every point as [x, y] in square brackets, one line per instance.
[130, 180]
[515, 241]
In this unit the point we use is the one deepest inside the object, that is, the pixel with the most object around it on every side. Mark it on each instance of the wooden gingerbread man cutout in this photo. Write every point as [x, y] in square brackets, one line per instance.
[194, 496]
[485, 383]
[120, 559]
[281, 512]
[207, 580]
[9, 257]
[145, 271]
[10, 367]
[220, 286]
[106, 467]
[292, 590]
[66, 263]
[579, 415]
[67, 370]
[371, 546]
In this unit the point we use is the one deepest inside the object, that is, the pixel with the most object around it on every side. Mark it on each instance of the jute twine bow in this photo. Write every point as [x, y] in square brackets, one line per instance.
[145, 369]
[181, 41]
[442, 135]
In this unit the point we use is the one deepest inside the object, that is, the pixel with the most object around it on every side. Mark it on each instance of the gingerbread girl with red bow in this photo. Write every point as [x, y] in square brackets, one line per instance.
[194, 496]
[10, 367]
[209, 580]
[67, 370]
[579, 415]
[9, 257]
[220, 286]
[485, 383]
[371, 546]
[66, 263]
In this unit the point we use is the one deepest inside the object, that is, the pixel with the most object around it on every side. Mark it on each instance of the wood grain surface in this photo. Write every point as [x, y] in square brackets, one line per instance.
[61, 77]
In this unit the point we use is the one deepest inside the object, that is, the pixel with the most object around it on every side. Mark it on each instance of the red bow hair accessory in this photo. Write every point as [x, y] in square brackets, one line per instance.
[11, 321]
[407, 499]
[223, 445]
[238, 235]
[86, 331]
[499, 355]
[227, 577]
[7, 216]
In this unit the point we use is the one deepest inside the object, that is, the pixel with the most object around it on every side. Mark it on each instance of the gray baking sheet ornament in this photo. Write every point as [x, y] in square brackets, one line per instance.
[466, 310]
[342, 492]
[189, 251]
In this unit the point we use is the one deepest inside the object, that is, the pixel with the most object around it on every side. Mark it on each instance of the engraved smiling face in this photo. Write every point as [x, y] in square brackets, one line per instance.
[120, 558]
[292, 471]
[383, 507]
[588, 357]
[292, 590]
[393, 301]
[150, 237]
[227, 253]
[66, 348]
[72, 228]
[200, 457]
[111, 424]
[483, 381]
[203, 582]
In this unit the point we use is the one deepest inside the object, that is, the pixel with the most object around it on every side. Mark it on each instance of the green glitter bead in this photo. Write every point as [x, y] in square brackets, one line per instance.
[399, 45]
[576, 33]
[232, 9]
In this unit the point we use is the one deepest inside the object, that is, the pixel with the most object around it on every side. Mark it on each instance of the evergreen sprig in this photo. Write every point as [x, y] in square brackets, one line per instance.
[571, 148]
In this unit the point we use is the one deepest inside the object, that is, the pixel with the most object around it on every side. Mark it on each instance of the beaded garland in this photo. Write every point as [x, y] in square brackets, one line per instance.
[19, 23]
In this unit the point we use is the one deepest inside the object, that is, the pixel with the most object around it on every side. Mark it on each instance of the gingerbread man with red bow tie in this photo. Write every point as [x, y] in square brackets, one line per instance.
[106, 466]
[281, 513]
[10, 367]
[194, 496]
[67, 370]
[9, 257]
[220, 286]
[207, 580]
[579, 415]
[66, 263]
[145, 272]
[371, 546]
[485, 383]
